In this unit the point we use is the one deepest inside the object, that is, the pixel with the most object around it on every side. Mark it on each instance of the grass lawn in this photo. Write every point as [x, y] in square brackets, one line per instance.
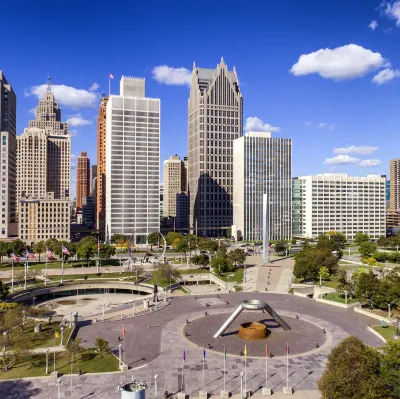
[57, 264]
[194, 271]
[45, 338]
[233, 277]
[35, 365]
[338, 297]
[125, 275]
[386, 333]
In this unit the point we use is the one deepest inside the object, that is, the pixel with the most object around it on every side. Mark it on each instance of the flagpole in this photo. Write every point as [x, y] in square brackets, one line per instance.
[98, 254]
[287, 365]
[62, 265]
[123, 341]
[12, 273]
[266, 368]
[224, 366]
[45, 276]
[203, 367]
[183, 365]
[245, 374]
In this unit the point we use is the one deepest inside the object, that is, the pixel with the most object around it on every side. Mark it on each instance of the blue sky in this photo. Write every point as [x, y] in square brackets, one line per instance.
[319, 72]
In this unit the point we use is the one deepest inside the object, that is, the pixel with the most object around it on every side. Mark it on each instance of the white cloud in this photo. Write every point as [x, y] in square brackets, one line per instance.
[331, 126]
[385, 76]
[73, 132]
[254, 124]
[172, 76]
[370, 162]
[33, 111]
[94, 87]
[341, 160]
[322, 125]
[373, 25]
[360, 150]
[392, 10]
[346, 62]
[74, 159]
[78, 120]
[67, 96]
[308, 123]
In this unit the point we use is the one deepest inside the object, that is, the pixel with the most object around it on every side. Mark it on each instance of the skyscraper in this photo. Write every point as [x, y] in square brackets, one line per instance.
[263, 165]
[82, 179]
[394, 184]
[101, 167]
[174, 183]
[8, 113]
[43, 173]
[44, 153]
[132, 161]
[215, 119]
[93, 175]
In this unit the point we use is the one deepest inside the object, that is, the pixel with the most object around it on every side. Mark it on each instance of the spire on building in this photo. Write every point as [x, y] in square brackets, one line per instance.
[48, 81]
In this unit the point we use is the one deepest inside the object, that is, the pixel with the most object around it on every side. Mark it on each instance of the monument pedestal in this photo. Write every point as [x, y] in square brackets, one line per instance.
[202, 394]
[266, 392]
[54, 374]
[181, 395]
[123, 367]
[288, 391]
[224, 394]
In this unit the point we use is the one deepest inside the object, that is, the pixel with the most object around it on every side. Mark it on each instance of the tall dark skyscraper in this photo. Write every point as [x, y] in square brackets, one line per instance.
[8, 131]
[215, 116]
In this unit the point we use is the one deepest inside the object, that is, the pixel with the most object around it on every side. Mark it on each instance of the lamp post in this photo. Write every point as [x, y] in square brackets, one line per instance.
[155, 385]
[33, 301]
[241, 384]
[388, 310]
[47, 361]
[120, 353]
[59, 388]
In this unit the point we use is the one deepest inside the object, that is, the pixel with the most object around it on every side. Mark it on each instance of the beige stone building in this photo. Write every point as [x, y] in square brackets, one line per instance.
[215, 119]
[175, 182]
[43, 169]
[41, 219]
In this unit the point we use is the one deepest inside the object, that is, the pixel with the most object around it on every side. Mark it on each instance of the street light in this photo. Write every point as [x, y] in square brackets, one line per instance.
[120, 354]
[33, 300]
[59, 387]
[155, 385]
[241, 384]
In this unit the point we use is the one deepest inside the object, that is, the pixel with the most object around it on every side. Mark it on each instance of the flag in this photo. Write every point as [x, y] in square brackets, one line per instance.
[57, 334]
[245, 350]
[111, 76]
[65, 251]
[224, 352]
[184, 354]
[15, 257]
[123, 331]
[98, 244]
[266, 350]
[189, 244]
[204, 353]
[29, 254]
[48, 251]
[287, 348]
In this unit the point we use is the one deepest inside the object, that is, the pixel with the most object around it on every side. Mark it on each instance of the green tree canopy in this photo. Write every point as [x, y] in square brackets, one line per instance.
[87, 249]
[337, 237]
[221, 263]
[390, 367]
[102, 346]
[280, 246]
[4, 290]
[367, 248]
[323, 273]
[153, 239]
[18, 246]
[360, 237]
[237, 256]
[4, 249]
[39, 248]
[200, 260]
[107, 251]
[171, 236]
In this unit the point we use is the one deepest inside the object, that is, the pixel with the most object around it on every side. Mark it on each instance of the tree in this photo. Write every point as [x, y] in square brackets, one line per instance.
[18, 246]
[121, 243]
[210, 246]
[172, 236]
[237, 256]
[390, 367]
[87, 250]
[39, 248]
[367, 286]
[360, 238]
[4, 249]
[221, 263]
[293, 241]
[367, 248]
[200, 260]
[102, 346]
[382, 241]
[332, 243]
[280, 246]
[352, 371]
[344, 284]
[74, 347]
[324, 273]
[337, 237]
[107, 251]
[369, 261]
[4, 289]
[115, 237]
[153, 238]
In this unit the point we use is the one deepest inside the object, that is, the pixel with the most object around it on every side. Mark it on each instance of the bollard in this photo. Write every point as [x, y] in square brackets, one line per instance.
[227, 302]
[166, 395]
[79, 372]
[186, 333]
[187, 321]
[297, 317]
[205, 314]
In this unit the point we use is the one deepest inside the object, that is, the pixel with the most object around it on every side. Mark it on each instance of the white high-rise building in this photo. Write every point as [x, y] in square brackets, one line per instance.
[339, 202]
[132, 161]
[262, 165]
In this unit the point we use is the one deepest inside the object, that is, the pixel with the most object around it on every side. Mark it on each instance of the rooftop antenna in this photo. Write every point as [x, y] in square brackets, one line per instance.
[48, 81]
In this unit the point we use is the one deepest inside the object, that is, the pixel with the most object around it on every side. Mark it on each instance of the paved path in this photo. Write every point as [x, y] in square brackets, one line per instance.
[156, 342]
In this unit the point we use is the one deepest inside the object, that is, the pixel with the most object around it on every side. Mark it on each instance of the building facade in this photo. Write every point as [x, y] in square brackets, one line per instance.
[182, 212]
[43, 172]
[8, 130]
[101, 168]
[44, 218]
[339, 202]
[263, 165]
[132, 161]
[82, 179]
[175, 182]
[161, 203]
[394, 201]
[215, 119]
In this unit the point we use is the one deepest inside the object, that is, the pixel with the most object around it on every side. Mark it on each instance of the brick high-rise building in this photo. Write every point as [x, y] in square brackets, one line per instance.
[215, 116]
[82, 179]
[8, 112]
[394, 184]
[101, 168]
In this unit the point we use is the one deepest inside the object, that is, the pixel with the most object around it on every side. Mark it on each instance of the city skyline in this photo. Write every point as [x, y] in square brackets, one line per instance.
[340, 119]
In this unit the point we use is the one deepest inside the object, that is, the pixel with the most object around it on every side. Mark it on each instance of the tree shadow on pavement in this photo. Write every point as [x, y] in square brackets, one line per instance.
[18, 389]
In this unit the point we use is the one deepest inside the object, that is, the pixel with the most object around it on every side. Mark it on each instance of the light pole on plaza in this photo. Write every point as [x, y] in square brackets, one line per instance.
[59, 388]
[155, 385]
[241, 384]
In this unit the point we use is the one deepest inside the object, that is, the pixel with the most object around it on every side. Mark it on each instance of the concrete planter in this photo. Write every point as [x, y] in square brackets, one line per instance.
[338, 304]
[373, 315]
[377, 334]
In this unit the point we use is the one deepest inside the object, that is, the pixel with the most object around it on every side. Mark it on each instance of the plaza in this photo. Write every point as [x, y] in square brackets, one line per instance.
[155, 342]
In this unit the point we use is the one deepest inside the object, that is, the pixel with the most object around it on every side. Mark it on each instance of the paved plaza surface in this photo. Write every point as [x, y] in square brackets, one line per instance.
[154, 344]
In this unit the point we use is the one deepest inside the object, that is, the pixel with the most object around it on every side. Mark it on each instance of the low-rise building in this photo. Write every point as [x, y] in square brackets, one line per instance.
[339, 202]
[41, 219]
